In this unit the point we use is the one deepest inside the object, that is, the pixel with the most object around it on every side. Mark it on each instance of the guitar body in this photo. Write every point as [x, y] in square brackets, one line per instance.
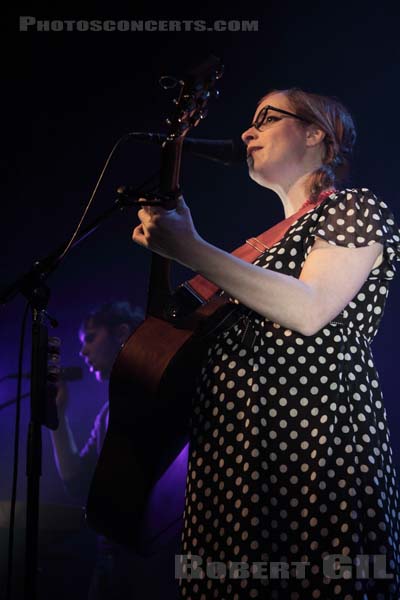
[151, 387]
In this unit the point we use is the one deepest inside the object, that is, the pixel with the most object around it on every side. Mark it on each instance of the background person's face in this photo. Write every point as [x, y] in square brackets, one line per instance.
[99, 349]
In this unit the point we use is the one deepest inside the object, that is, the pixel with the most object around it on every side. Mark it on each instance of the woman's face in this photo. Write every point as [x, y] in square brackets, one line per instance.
[276, 152]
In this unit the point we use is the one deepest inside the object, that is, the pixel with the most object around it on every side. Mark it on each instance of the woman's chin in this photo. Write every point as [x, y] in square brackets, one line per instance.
[258, 177]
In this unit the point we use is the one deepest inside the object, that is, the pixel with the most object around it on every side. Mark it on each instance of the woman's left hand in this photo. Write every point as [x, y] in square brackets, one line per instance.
[170, 233]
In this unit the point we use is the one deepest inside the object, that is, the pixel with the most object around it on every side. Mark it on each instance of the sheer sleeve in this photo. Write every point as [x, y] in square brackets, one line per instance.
[355, 218]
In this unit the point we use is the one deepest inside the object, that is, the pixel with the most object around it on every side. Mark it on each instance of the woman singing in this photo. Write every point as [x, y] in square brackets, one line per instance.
[291, 490]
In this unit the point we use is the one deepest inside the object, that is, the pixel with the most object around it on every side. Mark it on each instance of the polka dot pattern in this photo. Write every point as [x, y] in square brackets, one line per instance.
[290, 453]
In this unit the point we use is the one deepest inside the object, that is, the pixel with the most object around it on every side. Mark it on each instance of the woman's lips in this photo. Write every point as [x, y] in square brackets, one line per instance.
[251, 150]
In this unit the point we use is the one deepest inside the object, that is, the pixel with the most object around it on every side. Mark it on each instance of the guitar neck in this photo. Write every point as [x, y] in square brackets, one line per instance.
[159, 290]
[190, 110]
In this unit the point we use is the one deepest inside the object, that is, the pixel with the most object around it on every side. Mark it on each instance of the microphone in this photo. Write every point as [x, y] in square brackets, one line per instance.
[227, 152]
[66, 374]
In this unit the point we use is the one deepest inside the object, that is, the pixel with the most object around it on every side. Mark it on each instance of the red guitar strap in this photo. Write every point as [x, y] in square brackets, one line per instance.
[254, 247]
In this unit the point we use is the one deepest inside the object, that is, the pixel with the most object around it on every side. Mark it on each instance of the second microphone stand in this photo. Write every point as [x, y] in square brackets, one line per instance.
[33, 287]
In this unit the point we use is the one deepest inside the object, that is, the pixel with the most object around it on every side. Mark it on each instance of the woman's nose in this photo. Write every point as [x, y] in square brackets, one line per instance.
[248, 135]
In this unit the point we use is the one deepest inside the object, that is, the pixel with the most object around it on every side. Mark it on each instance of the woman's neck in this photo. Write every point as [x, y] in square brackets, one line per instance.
[294, 195]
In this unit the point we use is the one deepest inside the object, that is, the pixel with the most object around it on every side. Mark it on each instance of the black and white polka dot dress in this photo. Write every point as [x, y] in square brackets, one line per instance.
[290, 457]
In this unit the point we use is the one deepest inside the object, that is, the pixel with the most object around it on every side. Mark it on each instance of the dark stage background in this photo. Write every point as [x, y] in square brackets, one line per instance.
[68, 96]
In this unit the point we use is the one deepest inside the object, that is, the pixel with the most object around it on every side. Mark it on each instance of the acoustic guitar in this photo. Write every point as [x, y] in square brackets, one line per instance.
[154, 376]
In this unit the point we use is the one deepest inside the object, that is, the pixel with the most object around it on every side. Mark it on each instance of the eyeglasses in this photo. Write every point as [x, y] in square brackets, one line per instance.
[263, 116]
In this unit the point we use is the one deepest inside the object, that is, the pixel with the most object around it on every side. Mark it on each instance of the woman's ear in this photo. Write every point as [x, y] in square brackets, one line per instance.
[314, 135]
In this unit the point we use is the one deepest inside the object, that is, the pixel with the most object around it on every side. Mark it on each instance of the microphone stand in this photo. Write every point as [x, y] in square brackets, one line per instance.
[43, 409]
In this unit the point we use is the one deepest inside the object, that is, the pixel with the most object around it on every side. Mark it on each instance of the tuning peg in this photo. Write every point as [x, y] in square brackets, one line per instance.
[215, 94]
[168, 121]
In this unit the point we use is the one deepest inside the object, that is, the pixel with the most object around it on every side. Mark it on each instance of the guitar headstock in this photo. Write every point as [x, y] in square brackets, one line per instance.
[196, 90]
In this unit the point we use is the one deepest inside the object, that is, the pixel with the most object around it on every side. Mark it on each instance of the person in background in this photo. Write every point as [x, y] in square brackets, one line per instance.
[102, 333]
